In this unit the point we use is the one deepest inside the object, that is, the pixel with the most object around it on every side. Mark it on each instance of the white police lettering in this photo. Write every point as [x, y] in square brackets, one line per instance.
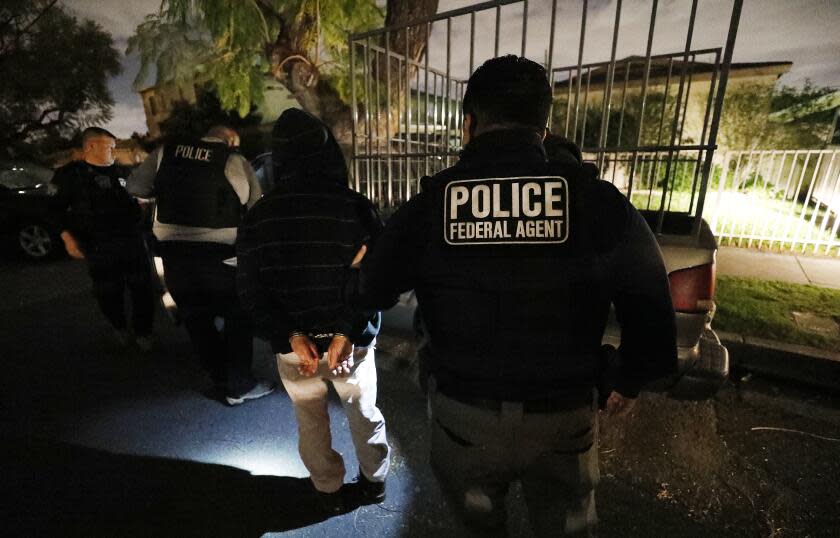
[193, 153]
[519, 210]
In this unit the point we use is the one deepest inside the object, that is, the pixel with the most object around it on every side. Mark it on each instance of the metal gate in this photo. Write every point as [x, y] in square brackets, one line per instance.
[648, 120]
[785, 200]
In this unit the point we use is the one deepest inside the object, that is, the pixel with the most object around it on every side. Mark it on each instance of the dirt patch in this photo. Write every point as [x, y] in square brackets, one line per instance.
[704, 463]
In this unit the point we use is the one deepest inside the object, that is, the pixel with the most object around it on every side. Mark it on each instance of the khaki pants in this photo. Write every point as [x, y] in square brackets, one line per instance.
[358, 397]
[477, 452]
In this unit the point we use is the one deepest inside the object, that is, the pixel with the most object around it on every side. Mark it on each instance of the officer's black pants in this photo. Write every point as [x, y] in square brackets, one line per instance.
[117, 264]
[204, 289]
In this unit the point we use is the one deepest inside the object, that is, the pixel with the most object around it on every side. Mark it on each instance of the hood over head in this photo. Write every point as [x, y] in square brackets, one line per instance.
[303, 147]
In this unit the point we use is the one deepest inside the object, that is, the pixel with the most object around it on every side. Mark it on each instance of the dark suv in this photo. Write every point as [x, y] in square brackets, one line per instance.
[24, 206]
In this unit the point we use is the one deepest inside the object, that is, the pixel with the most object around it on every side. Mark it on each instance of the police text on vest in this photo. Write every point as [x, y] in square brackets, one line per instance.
[517, 210]
[192, 152]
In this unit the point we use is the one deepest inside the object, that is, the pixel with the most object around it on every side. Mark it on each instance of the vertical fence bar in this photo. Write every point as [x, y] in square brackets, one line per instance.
[806, 203]
[678, 102]
[472, 42]
[721, 92]
[608, 85]
[355, 114]
[407, 117]
[831, 201]
[579, 67]
[550, 66]
[833, 235]
[724, 171]
[498, 29]
[758, 174]
[706, 113]
[774, 180]
[659, 142]
[426, 84]
[585, 107]
[643, 98]
[818, 203]
[623, 102]
[389, 164]
[525, 25]
[779, 222]
[448, 87]
[568, 105]
[368, 128]
[795, 197]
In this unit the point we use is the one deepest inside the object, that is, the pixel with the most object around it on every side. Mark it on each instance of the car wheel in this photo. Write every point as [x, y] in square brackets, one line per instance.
[36, 241]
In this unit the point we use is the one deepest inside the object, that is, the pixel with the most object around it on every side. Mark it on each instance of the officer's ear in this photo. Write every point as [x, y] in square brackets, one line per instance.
[468, 128]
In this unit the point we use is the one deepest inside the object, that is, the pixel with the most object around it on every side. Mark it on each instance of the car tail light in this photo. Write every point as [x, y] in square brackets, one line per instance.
[693, 289]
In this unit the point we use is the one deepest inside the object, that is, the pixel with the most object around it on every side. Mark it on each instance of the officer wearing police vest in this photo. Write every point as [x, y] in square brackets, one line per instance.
[515, 260]
[100, 223]
[202, 189]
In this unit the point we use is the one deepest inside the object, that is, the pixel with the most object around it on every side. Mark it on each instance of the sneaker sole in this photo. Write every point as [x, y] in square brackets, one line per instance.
[241, 400]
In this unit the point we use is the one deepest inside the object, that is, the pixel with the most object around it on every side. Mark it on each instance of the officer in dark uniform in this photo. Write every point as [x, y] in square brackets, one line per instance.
[202, 188]
[515, 260]
[100, 223]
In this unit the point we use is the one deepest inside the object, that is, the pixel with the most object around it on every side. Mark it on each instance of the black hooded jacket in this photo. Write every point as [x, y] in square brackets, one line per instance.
[513, 320]
[296, 242]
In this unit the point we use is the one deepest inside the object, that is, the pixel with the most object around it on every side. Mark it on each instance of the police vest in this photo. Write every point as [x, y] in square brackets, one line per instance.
[192, 189]
[511, 280]
[100, 205]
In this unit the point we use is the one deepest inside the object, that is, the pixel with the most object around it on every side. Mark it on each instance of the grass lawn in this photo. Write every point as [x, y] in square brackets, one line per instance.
[763, 309]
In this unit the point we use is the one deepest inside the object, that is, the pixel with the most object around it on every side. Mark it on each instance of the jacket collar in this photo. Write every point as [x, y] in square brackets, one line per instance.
[522, 146]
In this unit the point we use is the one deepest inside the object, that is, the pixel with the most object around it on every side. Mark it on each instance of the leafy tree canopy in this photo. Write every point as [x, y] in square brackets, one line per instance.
[235, 44]
[60, 68]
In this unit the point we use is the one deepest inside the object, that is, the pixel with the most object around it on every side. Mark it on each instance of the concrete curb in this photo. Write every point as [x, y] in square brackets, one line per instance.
[804, 364]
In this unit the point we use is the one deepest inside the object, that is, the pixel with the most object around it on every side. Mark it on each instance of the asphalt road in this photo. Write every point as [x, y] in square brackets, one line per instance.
[101, 440]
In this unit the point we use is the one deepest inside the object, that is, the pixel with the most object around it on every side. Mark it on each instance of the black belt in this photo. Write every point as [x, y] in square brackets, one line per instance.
[542, 405]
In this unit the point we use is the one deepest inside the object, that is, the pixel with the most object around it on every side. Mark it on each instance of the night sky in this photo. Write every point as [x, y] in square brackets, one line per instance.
[803, 31]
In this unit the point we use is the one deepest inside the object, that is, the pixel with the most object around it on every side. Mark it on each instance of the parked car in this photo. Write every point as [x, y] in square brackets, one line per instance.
[24, 205]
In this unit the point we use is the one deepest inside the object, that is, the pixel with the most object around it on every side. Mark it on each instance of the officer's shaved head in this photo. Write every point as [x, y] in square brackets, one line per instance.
[508, 91]
[95, 132]
[98, 146]
[225, 133]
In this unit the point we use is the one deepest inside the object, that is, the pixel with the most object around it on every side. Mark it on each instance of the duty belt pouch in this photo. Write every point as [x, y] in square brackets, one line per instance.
[609, 369]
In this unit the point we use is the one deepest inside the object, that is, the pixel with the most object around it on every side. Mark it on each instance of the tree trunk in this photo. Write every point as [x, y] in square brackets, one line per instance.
[297, 73]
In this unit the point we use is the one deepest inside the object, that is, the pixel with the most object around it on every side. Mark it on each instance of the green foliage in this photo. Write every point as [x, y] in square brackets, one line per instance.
[764, 309]
[620, 132]
[231, 43]
[58, 68]
[746, 121]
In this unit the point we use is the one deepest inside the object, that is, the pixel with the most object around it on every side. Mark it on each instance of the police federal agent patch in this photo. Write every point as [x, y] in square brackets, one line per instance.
[506, 211]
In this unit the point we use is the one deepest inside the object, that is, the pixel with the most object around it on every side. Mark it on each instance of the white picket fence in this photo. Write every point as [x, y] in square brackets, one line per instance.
[776, 200]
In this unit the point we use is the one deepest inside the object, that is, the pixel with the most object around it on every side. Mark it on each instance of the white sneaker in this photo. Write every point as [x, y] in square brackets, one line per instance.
[262, 388]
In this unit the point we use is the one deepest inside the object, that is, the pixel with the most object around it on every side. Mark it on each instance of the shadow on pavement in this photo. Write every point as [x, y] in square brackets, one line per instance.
[57, 489]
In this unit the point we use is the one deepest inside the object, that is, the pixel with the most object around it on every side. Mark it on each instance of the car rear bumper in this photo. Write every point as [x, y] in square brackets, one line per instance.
[702, 361]
[702, 369]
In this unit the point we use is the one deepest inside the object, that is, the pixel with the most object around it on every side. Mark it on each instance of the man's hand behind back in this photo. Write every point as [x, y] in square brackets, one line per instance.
[340, 355]
[306, 349]
[72, 246]
[618, 405]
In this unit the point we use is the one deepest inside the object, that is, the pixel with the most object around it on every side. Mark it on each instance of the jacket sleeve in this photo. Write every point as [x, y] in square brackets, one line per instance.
[391, 266]
[141, 182]
[643, 308]
[270, 323]
[362, 324]
[61, 186]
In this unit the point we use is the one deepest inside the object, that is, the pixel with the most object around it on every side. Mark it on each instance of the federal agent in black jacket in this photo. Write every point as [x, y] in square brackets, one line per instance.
[515, 260]
[100, 222]
[293, 250]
